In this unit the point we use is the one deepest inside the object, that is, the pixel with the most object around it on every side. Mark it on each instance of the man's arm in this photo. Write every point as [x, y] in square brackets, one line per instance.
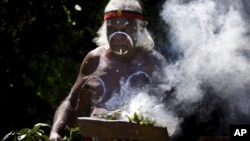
[68, 111]
[158, 68]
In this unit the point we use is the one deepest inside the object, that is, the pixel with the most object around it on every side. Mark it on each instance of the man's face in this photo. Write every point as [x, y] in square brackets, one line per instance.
[121, 33]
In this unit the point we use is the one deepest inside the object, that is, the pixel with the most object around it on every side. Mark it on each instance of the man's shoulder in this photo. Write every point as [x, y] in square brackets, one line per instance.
[156, 55]
[91, 60]
[94, 55]
[97, 52]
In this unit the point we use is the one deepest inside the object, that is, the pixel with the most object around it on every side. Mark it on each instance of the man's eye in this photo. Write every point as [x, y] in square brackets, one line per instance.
[111, 30]
[109, 25]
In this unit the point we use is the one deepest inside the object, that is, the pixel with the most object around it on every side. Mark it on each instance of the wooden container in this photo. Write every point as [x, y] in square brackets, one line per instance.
[95, 127]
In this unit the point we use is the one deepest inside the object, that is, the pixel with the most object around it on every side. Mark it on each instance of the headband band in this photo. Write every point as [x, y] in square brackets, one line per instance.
[126, 14]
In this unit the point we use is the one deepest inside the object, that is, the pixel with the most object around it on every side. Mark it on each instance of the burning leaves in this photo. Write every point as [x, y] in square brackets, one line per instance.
[109, 115]
[140, 119]
[136, 117]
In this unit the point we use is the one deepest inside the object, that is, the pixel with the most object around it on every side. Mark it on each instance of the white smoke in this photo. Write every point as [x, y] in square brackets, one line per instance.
[150, 107]
[213, 39]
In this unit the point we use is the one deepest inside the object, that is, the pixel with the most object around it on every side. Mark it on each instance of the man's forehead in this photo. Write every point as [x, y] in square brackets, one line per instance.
[121, 19]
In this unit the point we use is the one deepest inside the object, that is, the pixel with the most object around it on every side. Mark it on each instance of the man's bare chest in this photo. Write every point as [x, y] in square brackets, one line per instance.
[116, 71]
[111, 81]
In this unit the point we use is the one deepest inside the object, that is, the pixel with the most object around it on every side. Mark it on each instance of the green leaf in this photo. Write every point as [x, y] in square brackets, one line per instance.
[36, 128]
[21, 137]
[45, 137]
[38, 125]
[24, 131]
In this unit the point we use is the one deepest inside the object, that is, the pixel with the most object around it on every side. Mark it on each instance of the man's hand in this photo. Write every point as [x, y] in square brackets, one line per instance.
[55, 137]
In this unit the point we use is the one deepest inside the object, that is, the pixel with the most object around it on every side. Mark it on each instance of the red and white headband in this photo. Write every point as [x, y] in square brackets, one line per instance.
[123, 13]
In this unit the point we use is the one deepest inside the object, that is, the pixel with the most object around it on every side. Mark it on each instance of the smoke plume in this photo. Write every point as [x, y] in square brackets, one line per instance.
[211, 77]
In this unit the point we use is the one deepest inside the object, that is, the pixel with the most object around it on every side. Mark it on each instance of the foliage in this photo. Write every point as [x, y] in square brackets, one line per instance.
[27, 134]
[42, 46]
[40, 132]
[141, 119]
[74, 135]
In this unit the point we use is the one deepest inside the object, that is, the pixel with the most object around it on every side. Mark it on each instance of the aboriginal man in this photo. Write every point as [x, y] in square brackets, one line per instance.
[123, 64]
